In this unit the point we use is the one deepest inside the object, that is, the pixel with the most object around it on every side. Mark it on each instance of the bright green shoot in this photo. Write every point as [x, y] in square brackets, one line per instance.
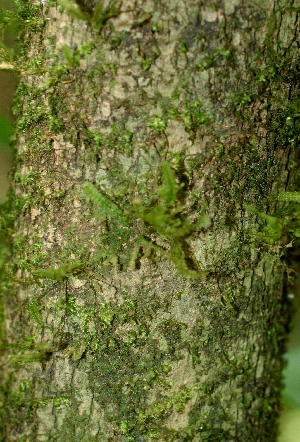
[105, 205]
[166, 217]
[168, 192]
[273, 222]
[60, 273]
[289, 196]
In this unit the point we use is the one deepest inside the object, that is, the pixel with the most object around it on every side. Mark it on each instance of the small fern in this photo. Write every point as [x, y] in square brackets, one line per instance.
[104, 205]
[168, 192]
[33, 309]
[289, 196]
[62, 272]
[277, 227]
[166, 217]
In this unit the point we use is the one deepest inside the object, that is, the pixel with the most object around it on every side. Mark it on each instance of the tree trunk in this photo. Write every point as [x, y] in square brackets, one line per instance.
[147, 303]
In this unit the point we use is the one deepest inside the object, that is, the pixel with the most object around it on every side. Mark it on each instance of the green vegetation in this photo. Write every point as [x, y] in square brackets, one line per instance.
[166, 217]
[62, 272]
[97, 18]
[286, 224]
[142, 218]
[106, 207]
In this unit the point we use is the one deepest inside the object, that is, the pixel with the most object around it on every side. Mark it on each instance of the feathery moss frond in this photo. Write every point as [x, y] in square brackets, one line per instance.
[62, 272]
[107, 207]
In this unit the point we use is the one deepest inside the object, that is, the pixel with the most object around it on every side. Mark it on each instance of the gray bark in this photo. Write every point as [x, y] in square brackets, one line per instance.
[148, 332]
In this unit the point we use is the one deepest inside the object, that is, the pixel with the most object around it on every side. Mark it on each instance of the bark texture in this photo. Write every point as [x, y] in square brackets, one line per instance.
[166, 317]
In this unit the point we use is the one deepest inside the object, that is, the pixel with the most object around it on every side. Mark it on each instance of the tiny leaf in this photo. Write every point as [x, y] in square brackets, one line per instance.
[289, 196]
[62, 272]
[273, 222]
[33, 309]
[105, 205]
[169, 191]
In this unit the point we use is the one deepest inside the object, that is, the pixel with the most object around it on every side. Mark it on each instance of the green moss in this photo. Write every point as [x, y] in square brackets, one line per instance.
[60, 273]
[96, 17]
[215, 58]
[119, 335]
[118, 137]
[158, 124]
[106, 207]
[166, 217]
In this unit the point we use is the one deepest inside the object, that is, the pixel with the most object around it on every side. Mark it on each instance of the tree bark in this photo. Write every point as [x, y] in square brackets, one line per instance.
[143, 129]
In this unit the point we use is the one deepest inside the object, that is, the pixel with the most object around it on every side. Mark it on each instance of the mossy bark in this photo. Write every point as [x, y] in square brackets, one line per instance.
[143, 333]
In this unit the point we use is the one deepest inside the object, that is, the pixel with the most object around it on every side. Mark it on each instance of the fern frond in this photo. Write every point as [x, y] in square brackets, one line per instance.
[62, 272]
[273, 222]
[33, 309]
[289, 196]
[169, 191]
[177, 257]
[106, 206]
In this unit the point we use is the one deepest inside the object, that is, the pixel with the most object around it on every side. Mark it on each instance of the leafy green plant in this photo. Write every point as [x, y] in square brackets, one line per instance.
[60, 273]
[166, 217]
[97, 18]
[158, 124]
[105, 205]
[278, 226]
